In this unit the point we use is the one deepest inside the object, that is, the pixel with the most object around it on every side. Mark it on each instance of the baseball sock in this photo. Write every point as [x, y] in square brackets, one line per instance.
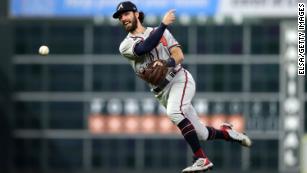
[189, 134]
[217, 134]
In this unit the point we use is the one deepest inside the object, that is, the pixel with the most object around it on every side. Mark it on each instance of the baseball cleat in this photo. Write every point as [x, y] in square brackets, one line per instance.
[200, 165]
[241, 138]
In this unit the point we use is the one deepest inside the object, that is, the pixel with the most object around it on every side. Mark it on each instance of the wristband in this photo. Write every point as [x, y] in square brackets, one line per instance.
[162, 25]
[170, 62]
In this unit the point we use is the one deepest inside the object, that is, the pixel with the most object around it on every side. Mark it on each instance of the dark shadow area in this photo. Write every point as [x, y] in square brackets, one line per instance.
[6, 127]
[5, 123]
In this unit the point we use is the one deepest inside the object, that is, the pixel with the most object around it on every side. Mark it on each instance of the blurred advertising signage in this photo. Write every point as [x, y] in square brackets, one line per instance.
[259, 8]
[89, 8]
[153, 124]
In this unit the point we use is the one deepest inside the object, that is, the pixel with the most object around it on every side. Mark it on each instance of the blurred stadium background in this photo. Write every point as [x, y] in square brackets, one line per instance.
[81, 109]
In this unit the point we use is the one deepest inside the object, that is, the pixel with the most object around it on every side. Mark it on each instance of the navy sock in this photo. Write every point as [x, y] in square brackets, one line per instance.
[189, 134]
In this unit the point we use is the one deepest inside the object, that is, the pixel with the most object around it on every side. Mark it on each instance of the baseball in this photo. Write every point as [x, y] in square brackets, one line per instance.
[43, 50]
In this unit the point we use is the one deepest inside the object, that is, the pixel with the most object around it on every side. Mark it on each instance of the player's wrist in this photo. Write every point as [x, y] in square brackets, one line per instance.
[170, 62]
[163, 25]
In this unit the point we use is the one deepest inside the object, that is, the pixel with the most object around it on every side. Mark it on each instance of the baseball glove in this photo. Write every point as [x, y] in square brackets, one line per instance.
[154, 75]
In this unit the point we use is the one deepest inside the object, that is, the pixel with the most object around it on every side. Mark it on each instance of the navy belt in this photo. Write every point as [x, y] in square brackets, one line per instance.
[166, 81]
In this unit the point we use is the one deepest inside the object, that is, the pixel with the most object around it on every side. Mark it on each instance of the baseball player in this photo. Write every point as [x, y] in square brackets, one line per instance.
[156, 57]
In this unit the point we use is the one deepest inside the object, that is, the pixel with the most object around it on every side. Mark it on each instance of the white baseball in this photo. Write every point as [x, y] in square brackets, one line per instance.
[43, 50]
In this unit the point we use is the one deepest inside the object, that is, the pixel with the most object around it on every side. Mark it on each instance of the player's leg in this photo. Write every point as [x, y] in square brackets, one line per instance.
[226, 132]
[179, 103]
[180, 94]
[206, 132]
[182, 105]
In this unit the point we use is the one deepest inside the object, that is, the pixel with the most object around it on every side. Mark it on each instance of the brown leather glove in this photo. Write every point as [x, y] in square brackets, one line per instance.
[154, 75]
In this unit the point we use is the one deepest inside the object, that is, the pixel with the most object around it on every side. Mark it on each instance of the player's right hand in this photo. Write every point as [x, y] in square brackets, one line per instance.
[169, 17]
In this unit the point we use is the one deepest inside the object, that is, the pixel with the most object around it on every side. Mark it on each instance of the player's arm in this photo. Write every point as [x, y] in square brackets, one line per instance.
[150, 42]
[177, 54]
[176, 57]
[153, 40]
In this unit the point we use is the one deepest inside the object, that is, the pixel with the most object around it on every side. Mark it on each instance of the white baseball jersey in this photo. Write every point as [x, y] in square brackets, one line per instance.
[161, 51]
[177, 96]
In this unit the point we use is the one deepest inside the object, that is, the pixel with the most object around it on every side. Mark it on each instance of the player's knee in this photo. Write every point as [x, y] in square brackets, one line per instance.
[202, 134]
[175, 116]
[170, 111]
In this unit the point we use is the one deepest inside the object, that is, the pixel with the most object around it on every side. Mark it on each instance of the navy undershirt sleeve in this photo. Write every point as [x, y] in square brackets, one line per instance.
[151, 41]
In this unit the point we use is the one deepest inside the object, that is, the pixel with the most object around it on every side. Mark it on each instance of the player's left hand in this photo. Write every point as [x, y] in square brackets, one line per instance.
[154, 73]
[159, 63]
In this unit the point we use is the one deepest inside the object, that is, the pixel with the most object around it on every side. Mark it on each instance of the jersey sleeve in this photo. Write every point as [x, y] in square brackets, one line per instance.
[171, 41]
[126, 48]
